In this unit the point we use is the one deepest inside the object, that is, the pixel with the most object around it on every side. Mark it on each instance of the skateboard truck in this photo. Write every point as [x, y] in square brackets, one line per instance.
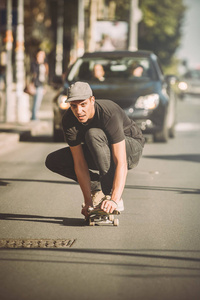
[100, 217]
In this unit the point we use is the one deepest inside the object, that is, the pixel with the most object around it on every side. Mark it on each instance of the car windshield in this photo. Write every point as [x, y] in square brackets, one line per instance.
[108, 69]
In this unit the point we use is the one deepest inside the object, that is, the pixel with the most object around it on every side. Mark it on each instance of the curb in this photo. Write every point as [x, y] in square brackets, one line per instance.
[7, 140]
[11, 134]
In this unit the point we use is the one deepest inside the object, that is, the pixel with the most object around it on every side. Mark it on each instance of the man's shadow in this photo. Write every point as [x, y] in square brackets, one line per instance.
[63, 221]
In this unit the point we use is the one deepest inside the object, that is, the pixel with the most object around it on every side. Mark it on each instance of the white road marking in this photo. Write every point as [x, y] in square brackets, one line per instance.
[187, 127]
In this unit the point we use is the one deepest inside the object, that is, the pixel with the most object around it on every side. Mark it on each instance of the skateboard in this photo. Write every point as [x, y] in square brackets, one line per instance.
[99, 217]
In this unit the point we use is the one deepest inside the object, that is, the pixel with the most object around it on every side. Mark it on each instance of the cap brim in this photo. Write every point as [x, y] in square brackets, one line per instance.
[81, 98]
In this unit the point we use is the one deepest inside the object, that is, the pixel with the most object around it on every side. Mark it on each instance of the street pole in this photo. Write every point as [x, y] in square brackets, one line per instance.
[92, 20]
[59, 39]
[81, 28]
[135, 18]
[21, 99]
[10, 101]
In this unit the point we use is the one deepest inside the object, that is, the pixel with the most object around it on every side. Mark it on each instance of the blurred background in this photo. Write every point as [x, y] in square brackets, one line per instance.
[155, 252]
[65, 30]
[189, 48]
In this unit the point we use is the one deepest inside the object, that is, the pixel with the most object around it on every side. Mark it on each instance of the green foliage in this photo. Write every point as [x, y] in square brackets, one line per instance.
[122, 10]
[160, 29]
[37, 23]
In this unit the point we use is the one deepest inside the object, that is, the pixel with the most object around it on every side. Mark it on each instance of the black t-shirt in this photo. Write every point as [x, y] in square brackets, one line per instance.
[109, 117]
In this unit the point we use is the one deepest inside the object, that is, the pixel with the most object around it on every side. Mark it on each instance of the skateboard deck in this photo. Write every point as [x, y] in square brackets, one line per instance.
[100, 217]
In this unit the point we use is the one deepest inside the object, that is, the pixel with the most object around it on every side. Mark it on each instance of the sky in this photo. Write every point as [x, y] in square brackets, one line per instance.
[190, 44]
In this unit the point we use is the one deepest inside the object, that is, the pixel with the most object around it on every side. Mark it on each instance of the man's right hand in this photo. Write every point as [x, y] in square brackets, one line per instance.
[84, 210]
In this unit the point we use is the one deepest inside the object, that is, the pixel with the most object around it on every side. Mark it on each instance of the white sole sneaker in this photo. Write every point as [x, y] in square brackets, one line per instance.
[120, 206]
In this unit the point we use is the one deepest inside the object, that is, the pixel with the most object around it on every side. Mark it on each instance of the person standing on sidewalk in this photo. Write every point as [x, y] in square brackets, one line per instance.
[103, 144]
[40, 71]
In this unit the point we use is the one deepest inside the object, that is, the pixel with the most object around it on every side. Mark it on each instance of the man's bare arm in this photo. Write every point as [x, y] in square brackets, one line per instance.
[119, 157]
[82, 173]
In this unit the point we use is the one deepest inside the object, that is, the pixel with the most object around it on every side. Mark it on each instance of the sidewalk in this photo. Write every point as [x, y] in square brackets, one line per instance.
[12, 133]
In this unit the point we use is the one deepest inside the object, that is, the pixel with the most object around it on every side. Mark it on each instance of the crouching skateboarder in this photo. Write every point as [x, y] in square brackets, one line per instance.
[103, 144]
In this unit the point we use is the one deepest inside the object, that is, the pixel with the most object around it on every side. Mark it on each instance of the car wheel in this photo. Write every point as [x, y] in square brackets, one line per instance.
[181, 96]
[172, 131]
[58, 136]
[163, 135]
[173, 115]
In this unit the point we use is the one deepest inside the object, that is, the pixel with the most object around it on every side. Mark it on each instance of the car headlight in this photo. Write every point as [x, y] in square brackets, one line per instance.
[62, 102]
[147, 102]
[182, 86]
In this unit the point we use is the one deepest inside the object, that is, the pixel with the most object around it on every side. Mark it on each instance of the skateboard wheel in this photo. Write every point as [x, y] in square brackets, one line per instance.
[91, 223]
[116, 222]
[111, 218]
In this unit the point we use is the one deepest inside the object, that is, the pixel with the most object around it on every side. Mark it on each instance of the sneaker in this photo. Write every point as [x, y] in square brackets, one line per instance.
[120, 206]
[97, 197]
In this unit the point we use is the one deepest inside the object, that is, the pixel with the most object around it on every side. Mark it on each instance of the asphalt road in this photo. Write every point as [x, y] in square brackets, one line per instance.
[155, 252]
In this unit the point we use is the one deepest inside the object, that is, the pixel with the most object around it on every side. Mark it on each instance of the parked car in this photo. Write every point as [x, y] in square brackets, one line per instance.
[134, 80]
[189, 84]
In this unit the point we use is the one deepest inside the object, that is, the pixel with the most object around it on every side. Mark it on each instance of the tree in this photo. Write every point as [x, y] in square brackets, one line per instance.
[38, 31]
[160, 28]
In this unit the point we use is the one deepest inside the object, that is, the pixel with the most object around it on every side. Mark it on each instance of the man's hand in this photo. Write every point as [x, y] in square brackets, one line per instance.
[109, 206]
[84, 210]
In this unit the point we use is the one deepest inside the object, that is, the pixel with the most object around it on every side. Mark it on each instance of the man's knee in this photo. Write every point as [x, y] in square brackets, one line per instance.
[95, 135]
[49, 162]
[91, 133]
[60, 161]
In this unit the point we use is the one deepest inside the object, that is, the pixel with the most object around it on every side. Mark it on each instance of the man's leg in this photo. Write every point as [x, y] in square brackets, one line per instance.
[99, 148]
[133, 152]
[61, 162]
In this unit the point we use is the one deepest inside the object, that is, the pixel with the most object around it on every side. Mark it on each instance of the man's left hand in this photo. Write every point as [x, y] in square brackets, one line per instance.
[109, 206]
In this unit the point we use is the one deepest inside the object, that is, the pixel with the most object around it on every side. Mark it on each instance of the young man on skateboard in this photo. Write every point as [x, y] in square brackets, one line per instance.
[103, 144]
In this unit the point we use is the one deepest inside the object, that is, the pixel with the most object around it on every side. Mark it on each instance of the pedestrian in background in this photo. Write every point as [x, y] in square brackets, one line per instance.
[40, 71]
